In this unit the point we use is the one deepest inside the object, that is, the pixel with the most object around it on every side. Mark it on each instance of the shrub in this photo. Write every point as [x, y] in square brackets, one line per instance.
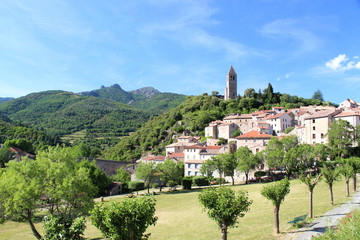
[61, 228]
[125, 220]
[155, 185]
[187, 182]
[259, 174]
[136, 185]
[201, 181]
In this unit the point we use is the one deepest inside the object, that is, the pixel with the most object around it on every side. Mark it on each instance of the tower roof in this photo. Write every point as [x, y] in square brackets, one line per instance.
[231, 71]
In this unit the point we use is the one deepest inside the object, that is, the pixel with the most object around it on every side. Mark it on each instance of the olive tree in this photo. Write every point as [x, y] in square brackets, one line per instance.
[146, 172]
[276, 193]
[225, 206]
[310, 182]
[125, 220]
[331, 174]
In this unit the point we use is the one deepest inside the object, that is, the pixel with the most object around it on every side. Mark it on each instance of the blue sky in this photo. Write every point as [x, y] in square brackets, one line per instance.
[181, 46]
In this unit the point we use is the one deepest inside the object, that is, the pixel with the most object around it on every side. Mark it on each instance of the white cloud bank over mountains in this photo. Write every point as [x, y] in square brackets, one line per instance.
[343, 63]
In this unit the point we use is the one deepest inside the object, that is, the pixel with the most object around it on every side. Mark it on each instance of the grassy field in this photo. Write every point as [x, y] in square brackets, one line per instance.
[181, 217]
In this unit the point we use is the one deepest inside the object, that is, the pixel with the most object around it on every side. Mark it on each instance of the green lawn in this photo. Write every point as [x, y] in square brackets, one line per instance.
[181, 217]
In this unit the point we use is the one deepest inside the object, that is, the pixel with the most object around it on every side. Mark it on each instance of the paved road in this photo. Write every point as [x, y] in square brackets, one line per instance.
[327, 220]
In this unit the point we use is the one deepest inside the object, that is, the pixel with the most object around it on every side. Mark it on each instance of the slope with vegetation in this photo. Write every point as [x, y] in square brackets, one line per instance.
[59, 113]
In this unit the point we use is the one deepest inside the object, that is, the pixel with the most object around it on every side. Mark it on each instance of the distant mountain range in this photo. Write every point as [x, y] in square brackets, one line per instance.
[5, 99]
[147, 98]
[105, 112]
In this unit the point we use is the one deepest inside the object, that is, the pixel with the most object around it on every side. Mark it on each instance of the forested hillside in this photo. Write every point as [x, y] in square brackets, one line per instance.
[10, 131]
[59, 113]
[194, 115]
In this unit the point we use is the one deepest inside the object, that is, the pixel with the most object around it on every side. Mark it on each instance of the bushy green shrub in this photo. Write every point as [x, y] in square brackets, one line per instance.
[155, 185]
[125, 220]
[259, 174]
[201, 181]
[136, 185]
[187, 182]
[61, 228]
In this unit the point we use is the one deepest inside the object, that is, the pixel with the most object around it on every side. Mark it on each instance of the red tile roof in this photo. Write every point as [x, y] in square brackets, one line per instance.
[171, 155]
[275, 116]
[347, 114]
[154, 158]
[253, 134]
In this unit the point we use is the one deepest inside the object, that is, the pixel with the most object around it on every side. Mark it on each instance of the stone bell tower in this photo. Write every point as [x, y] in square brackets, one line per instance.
[231, 84]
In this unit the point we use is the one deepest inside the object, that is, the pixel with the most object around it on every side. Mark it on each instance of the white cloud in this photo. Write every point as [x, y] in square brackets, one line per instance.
[343, 63]
[287, 75]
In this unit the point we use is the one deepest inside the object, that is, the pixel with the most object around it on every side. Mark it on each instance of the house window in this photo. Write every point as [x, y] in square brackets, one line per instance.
[196, 165]
[189, 165]
[322, 135]
[314, 128]
[313, 136]
[254, 140]
[196, 173]
[257, 150]
[313, 121]
[189, 173]
[245, 140]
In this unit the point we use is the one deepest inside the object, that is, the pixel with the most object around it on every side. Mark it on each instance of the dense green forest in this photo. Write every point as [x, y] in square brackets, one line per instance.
[11, 131]
[194, 115]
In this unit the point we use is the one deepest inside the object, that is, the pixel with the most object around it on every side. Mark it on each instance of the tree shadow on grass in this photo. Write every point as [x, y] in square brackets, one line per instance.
[180, 191]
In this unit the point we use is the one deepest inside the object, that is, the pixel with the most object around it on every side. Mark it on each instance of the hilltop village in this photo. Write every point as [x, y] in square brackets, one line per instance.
[309, 124]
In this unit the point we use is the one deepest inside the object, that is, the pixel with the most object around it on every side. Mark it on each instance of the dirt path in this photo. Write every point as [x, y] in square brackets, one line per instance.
[329, 219]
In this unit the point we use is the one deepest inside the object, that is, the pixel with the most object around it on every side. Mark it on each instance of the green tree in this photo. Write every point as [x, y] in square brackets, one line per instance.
[146, 172]
[310, 182]
[331, 174]
[54, 175]
[122, 176]
[276, 193]
[340, 137]
[224, 206]
[246, 161]
[318, 96]
[97, 175]
[125, 220]
[269, 93]
[5, 156]
[170, 172]
[218, 162]
[349, 170]
[274, 153]
[230, 164]
[21, 143]
[207, 168]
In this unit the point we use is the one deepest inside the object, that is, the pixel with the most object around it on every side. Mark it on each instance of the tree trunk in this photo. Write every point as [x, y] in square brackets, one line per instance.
[331, 194]
[246, 178]
[233, 181]
[347, 187]
[276, 220]
[33, 229]
[311, 203]
[224, 231]
[354, 184]
[149, 188]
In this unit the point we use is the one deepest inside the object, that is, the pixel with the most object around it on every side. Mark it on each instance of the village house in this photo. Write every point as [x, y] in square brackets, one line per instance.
[254, 140]
[353, 117]
[317, 125]
[244, 121]
[279, 122]
[220, 129]
[195, 155]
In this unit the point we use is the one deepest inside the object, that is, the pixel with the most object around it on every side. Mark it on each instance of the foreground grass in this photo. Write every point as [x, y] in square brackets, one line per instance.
[181, 217]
